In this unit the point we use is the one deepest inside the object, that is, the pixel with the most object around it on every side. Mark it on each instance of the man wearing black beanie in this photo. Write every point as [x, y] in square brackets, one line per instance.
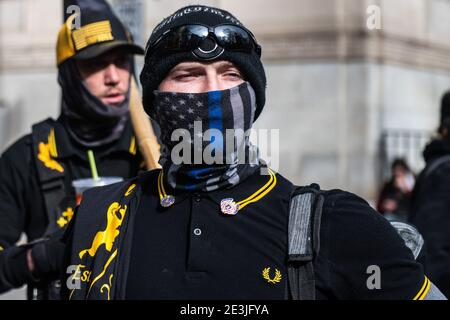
[216, 222]
[430, 208]
[158, 62]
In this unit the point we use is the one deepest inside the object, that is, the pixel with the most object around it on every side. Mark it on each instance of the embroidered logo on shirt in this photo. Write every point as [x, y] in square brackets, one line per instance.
[47, 153]
[65, 217]
[130, 189]
[275, 279]
[115, 217]
[106, 238]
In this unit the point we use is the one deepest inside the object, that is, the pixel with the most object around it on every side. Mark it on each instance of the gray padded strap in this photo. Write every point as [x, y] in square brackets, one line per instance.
[434, 293]
[410, 235]
[305, 213]
[300, 244]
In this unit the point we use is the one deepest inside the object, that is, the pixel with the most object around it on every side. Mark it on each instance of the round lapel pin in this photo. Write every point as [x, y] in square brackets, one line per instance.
[167, 201]
[228, 206]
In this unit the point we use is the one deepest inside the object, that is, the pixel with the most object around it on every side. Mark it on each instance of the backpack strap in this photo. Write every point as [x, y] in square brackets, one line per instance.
[410, 235]
[50, 172]
[435, 164]
[305, 213]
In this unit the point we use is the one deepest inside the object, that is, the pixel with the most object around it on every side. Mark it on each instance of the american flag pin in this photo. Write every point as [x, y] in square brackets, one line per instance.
[167, 201]
[228, 206]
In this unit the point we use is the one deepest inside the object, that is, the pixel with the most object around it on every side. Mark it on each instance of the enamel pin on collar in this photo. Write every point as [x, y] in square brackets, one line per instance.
[228, 206]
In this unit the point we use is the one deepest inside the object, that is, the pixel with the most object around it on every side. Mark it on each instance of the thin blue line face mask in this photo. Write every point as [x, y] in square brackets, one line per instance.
[206, 134]
[214, 124]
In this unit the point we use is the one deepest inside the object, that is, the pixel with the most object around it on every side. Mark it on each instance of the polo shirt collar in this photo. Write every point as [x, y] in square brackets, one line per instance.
[250, 189]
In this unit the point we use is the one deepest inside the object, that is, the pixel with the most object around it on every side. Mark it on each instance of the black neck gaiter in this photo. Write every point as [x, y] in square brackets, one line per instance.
[204, 137]
[89, 122]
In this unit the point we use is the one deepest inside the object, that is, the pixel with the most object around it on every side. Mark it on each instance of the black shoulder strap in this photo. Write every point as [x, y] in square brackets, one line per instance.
[435, 164]
[50, 174]
[305, 213]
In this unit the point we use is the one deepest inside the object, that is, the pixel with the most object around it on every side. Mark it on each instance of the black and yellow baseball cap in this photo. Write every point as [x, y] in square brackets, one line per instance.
[99, 31]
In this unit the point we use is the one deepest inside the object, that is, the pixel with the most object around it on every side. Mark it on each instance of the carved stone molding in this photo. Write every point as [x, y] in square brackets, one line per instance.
[380, 47]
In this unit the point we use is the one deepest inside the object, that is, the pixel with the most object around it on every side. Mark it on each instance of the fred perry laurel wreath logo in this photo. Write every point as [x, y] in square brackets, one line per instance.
[275, 279]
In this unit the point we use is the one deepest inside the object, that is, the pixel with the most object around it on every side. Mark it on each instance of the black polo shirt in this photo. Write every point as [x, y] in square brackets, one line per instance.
[191, 250]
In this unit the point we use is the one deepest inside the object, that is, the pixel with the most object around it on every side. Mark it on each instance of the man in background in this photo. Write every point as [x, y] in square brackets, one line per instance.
[430, 209]
[95, 68]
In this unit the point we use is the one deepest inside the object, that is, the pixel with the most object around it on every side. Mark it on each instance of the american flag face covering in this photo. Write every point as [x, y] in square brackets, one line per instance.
[205, 137]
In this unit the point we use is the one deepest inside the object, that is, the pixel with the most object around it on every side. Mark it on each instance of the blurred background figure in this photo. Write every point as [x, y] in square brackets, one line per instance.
[430, 209]
[395, 196]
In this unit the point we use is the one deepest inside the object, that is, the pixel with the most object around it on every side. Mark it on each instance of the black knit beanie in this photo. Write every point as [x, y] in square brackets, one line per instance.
[158, 62]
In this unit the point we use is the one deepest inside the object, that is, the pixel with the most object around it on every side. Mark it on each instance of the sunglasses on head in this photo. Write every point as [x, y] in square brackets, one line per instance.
[189, 37]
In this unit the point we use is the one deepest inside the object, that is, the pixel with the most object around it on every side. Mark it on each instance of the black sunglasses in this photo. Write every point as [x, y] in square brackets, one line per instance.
[188, 37]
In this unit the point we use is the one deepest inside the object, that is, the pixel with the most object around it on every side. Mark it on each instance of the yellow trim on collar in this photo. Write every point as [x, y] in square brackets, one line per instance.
[254, 197]
[161, 190]
[260, 193]
[424, 290]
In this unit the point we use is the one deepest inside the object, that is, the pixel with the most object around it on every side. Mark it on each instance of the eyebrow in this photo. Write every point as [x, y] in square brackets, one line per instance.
[222, 64]
[185, 68]
[222, 67]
